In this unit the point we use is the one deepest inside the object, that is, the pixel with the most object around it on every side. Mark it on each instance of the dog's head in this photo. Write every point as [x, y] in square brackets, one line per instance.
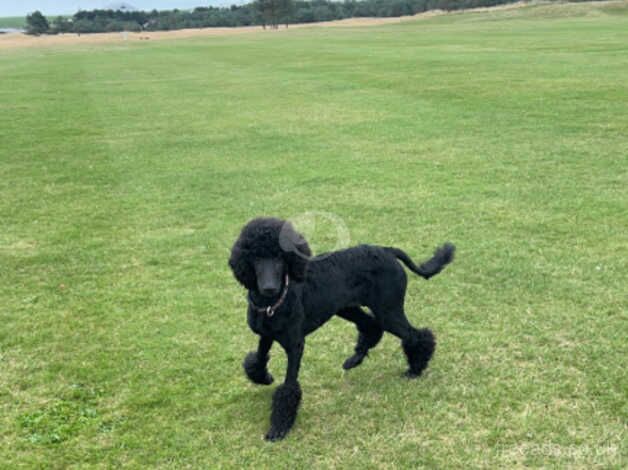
[266, 250]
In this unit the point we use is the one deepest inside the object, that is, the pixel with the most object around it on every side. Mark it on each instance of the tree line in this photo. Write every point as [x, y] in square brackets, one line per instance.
[267, 13]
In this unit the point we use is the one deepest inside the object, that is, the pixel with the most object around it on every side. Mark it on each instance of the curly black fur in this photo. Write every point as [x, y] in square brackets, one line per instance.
[268, 238]
[286, 400]
[419, 348]
[369, 334]
[255, 369]
[336, 283]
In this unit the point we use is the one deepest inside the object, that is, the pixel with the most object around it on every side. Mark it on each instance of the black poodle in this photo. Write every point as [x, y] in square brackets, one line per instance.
[291, 294]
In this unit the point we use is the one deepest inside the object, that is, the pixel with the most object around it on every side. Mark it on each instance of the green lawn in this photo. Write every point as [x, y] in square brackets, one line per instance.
[128, 169]
[12, 22]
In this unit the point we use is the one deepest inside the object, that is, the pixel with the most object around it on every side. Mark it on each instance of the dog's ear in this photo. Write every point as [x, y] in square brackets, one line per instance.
[241, 264]
[297, 251]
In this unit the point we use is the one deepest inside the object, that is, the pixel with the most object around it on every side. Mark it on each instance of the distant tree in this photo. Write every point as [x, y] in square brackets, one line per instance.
[266, 10]
[323, 13]
[259, 12]
[274, 12]
[36, 23]
[286, 11]
[61, 25]
[84, 26]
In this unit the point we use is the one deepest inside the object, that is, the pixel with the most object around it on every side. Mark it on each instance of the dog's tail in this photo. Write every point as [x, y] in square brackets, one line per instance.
[442, 257]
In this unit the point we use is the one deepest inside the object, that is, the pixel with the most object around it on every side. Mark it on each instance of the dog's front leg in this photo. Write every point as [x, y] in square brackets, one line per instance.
[255, 363]
[287, 397]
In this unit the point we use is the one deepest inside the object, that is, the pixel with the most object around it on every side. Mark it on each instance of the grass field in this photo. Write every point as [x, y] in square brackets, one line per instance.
[127, 171]
[12, 22]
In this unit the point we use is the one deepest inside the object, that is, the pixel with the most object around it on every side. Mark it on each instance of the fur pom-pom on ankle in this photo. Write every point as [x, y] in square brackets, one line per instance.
[256, 370]
[286, 400]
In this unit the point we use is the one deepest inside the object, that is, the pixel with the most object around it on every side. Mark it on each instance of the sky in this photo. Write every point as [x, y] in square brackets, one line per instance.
[58, 7]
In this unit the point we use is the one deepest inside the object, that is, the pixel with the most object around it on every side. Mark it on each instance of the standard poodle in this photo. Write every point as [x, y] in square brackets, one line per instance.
[291, 294]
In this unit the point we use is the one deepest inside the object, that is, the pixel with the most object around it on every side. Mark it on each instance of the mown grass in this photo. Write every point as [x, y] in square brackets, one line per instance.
[127, 171]
[12, 22]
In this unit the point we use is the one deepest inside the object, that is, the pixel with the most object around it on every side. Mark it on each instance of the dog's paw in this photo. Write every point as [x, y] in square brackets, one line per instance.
[353, 361]
[410, 374]
[275, 435]
[261, 378]
[266, 380]
[256, 371]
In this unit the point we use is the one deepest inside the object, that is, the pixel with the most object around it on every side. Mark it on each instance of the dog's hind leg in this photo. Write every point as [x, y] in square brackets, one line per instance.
[369, 334]
[418, 344]
[419, 348]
